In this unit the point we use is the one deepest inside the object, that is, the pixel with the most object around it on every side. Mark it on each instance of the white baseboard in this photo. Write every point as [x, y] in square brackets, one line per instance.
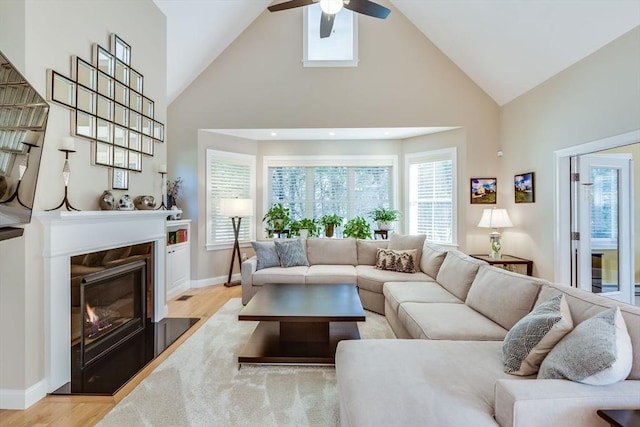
[178, 290]
[215, 280]
[22, 399]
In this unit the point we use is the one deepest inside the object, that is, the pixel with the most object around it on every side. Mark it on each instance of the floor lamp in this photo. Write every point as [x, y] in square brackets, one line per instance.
[236, 209]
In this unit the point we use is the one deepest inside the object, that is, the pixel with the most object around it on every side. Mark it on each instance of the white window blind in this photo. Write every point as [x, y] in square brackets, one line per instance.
[604, 207]
[229, 175]
[431, 195]
[311, 191]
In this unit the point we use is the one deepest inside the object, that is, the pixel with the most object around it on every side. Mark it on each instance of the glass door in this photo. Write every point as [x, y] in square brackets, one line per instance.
[603, 230]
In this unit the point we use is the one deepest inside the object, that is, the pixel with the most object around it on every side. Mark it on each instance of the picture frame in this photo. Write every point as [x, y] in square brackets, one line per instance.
[524, 187]
[483, 191]
[119, 179]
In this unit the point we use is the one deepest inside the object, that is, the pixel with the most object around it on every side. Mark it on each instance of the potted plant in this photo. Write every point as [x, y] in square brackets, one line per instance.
[384, 217]
[330, 222]
[305, 227]
[357, 228]
[277, 218]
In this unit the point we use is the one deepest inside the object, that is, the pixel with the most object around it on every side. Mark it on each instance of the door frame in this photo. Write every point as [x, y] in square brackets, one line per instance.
[562, 198]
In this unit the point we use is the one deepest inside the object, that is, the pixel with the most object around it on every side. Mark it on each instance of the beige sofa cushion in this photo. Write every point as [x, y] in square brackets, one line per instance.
[367, 250]
[331, 274]
[407, 241]
[432, 258]
[457, 272]
[412, 383]
[443, 321]
[332, 251]
[397, 293]
[280, 275]
[503, 296]
[372, 279]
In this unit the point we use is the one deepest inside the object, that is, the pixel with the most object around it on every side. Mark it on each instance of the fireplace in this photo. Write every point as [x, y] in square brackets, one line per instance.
[112, 309]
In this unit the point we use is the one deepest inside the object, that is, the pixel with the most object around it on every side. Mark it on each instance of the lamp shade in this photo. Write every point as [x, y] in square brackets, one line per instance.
[495, 218]
[240, 208]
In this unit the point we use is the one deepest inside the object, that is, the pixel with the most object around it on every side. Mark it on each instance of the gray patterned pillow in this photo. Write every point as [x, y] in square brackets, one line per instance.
[266, 254]
[597, 352]
[291, 252]
[529, 341]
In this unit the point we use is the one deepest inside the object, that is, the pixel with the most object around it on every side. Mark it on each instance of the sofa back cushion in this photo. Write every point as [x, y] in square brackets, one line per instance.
[457, 273]
[368, 249]
[503, 296]
[407, 241]
[332, 251]
[432, 258]
[584, 305]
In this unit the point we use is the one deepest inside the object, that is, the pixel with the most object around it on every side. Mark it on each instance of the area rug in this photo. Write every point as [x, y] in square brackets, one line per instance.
[200, 384]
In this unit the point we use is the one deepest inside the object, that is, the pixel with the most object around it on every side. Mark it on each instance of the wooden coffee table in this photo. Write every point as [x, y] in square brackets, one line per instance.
[301, 324]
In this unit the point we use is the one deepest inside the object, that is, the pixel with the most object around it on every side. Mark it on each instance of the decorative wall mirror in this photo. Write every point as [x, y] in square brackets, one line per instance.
[23, 121]
[110, 108]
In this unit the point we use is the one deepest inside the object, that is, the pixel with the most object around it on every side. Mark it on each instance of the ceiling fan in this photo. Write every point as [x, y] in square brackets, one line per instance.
[331, 7]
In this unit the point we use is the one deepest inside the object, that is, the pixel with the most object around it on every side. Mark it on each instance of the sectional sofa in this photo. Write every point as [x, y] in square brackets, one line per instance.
[454, 319]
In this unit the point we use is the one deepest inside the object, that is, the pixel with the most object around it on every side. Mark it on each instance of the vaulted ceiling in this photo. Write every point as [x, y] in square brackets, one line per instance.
[506, 46]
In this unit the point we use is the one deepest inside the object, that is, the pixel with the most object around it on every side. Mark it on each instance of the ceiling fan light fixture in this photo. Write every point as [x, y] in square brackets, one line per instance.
[331, 7]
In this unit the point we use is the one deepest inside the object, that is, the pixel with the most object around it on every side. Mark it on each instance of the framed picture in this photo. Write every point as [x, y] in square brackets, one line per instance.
[119, 179]
[484, 191]
[523, 185]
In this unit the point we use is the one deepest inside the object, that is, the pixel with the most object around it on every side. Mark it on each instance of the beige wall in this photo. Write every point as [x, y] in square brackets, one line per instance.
[259, 82]
[595, 98]
[53, 31]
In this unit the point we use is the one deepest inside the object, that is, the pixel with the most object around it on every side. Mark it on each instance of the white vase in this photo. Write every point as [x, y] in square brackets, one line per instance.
[384, 225]
[304, 233]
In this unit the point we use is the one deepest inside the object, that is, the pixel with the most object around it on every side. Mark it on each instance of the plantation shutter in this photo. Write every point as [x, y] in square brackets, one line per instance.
[604, 206]
[431, 197]
[228, 176]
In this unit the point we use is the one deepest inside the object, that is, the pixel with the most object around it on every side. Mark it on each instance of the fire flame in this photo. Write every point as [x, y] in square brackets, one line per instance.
[91, 315]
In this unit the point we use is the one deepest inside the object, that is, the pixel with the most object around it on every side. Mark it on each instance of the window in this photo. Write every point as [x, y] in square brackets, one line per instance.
[315, 186]
[338, 50]
[432, 195]
[229, 175]
[604, 208]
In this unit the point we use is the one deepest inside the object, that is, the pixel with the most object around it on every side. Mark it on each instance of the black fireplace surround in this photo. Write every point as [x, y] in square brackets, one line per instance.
[112, 333]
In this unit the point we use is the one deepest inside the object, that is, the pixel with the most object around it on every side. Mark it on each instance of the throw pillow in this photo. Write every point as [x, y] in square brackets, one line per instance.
[408, 241]
[400, 261]
[597, 352]
[291, 252]
[266, 254]
[533, 336]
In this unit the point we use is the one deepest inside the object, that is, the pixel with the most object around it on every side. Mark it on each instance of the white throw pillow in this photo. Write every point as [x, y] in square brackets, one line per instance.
[530, 340]
[597, 352]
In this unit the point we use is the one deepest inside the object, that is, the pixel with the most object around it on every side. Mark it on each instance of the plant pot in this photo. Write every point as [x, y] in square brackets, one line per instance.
[328, 230]
[304, 233]
[385, 225]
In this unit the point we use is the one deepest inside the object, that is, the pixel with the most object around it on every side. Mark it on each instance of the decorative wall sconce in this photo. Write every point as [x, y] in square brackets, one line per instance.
[67, 146]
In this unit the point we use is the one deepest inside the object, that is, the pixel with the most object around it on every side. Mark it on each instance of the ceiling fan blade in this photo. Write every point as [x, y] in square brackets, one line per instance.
[367, 7]
[326, 24]
[290, 5]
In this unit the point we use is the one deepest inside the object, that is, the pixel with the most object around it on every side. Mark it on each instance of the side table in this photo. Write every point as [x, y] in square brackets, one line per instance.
[506, 260]
[620, 417]
[384, 234]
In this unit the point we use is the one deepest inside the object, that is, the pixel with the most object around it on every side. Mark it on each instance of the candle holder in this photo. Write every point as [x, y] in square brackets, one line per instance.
[66, 173]
[163, 190]
[22, 167]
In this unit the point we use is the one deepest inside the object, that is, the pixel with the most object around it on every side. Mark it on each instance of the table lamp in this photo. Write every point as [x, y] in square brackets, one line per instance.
[235, 209]
[495, 218]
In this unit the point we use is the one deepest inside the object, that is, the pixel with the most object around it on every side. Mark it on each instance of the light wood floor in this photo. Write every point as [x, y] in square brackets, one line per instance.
[85, 411]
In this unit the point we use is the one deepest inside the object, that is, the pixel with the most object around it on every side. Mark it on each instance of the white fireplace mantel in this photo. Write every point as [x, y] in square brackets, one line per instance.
[66, 234]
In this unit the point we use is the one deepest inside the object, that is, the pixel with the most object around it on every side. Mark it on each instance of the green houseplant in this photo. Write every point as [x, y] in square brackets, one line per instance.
[330, 222]
[276, 218]
[298, 228]
[357, 228]
[384, 217]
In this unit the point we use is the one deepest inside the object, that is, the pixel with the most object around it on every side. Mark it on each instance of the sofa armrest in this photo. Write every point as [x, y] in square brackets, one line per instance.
[247, 268]
[532, 402]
